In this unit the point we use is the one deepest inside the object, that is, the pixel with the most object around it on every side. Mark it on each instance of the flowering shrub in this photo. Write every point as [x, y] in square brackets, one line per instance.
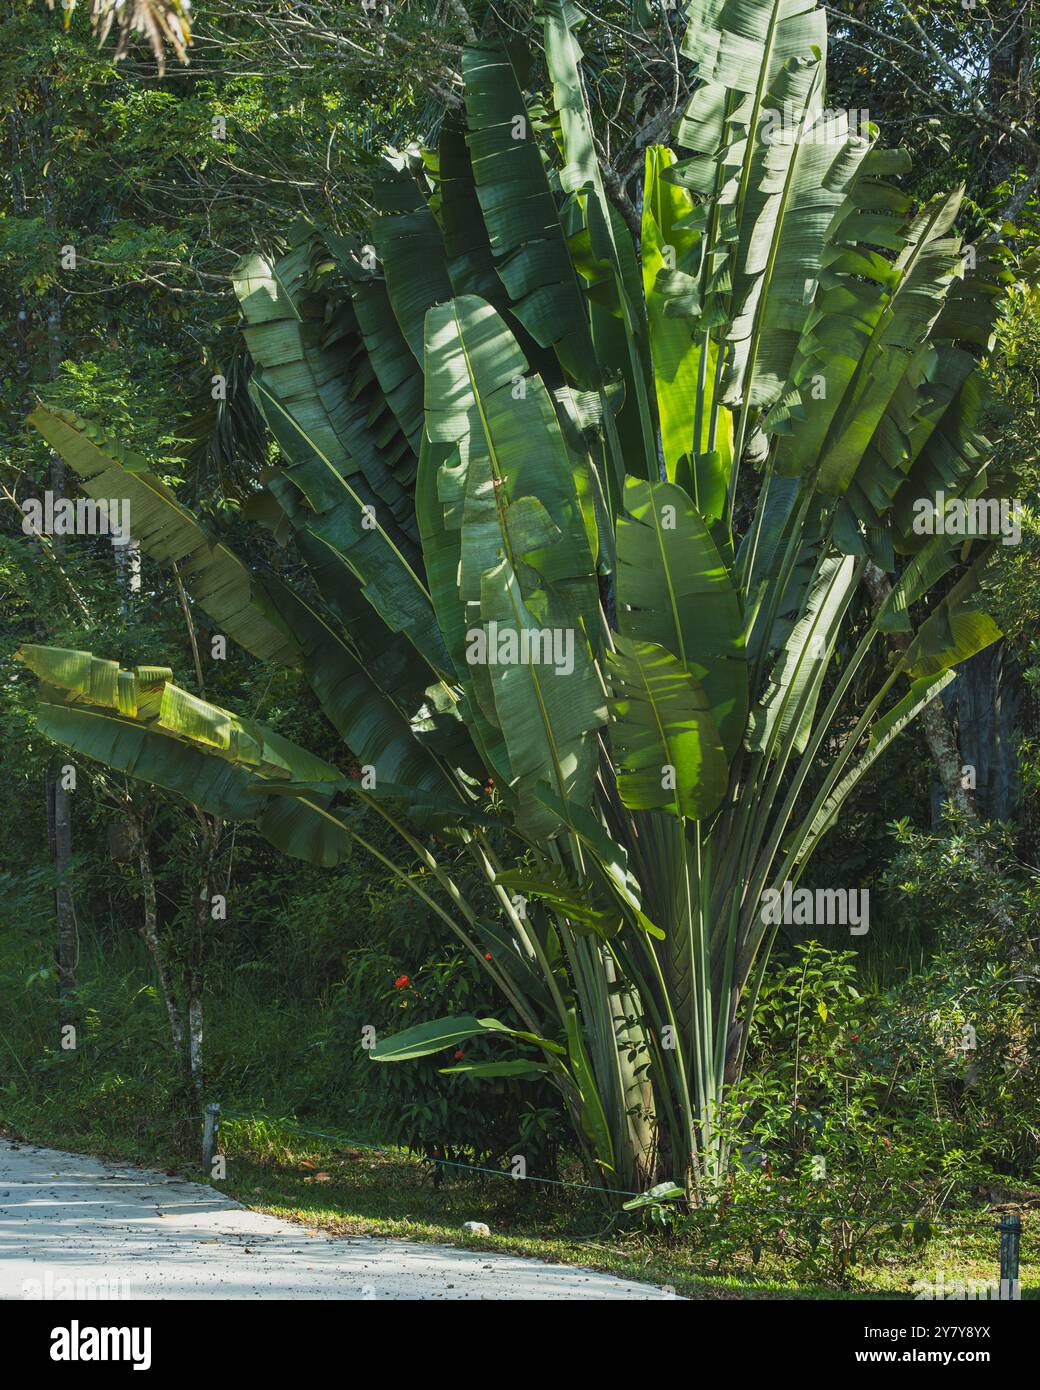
[404, 975]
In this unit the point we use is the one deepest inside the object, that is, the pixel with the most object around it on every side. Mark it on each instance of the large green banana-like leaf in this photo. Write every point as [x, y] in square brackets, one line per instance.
[803, 177]
[928, 427]
[663, 735]
[516, 1067]
[582, 417]
[471, 264]
[862, 346]
[783, 716]
[923, 571]
[318, 372]
[351, 516]
[742, 44]
[548, 710]
[758, 62]
[370, 681]
[81, 677]
[343, 537]
[516, 491]
[138, 723]
[609, 240]
[117, 742]
[946, 448]
[525, 571]
[684, 366]
[442, 547]
[523, 226]
[166, 530]
[884, 730]
[411, 249]
[384, 352]
[928, 439]
[930, 412]
[674, 590]
[578, 902]
[93, 680]
[362, 703]
[928, 267]
[958, 628]
[307, 827]
[856, 282]
[427, 1038]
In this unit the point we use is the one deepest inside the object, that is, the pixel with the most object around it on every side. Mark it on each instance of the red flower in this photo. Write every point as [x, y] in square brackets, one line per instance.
[487, 955]
[853, 1037]
[402, 981]
[459, 1054]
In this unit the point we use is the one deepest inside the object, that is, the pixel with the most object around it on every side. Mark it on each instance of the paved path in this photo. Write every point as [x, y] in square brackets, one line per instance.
[75, 1227]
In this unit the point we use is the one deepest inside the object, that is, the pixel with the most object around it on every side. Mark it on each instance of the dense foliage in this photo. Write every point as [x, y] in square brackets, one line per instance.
[852, 1059]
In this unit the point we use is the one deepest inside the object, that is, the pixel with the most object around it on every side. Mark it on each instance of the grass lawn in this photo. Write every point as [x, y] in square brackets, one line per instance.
[357, 1191]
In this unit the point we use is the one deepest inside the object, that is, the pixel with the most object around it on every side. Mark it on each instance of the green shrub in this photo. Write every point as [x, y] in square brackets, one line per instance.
[969, 1023]
[840, 1152]
[404, 976]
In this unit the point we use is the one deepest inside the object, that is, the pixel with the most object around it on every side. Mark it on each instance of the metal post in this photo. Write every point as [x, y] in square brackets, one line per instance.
[1010, 1244]
[211, 1123]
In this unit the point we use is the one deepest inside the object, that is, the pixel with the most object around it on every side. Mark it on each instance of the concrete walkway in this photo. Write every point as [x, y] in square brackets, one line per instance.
[75, 1227]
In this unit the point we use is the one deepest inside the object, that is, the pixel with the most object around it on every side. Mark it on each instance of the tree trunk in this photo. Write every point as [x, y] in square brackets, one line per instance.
[59, 794]
[150, 935]
[59, 833]
[1029, 840]
[194, 972]
[941, 739]
[1011, 92]
[195, 1044]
